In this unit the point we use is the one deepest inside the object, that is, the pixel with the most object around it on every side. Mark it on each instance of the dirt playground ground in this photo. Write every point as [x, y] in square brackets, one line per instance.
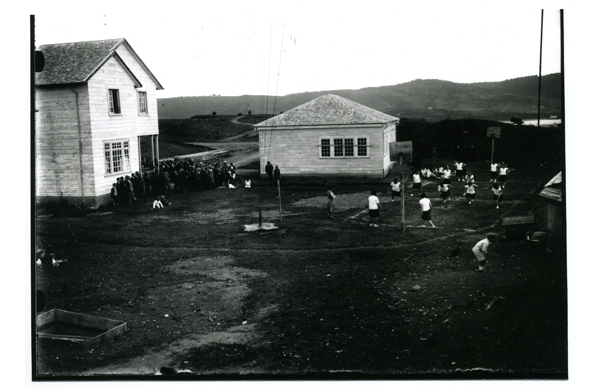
[316, 297]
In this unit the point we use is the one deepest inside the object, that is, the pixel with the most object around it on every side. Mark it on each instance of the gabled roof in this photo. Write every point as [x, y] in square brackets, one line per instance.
[553, 190]
[77, 62]
[328, 109]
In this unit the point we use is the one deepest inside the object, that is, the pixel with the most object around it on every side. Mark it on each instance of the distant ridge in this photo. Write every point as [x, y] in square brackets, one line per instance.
[430, 99]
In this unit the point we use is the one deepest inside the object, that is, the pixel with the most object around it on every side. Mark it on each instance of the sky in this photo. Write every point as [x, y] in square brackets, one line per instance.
[278, 48]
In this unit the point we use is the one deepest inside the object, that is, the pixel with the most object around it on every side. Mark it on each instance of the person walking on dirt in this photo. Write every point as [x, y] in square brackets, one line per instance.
[374, 206]
[480, 250]
[330, 202]
[426, 206]
[395, 188]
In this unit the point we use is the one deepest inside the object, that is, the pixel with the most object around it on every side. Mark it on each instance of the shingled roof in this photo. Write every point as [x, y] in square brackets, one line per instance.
[328, 109]
[77, 62]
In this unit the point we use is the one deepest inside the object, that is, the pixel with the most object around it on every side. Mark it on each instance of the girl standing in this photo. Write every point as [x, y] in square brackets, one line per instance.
[416, 183]
[331, 202]
[395, 187]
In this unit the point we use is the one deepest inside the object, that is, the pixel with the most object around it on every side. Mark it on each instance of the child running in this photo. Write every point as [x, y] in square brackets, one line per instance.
[469, 177]
[503, 172]
[446, 175]
[470, 193]
[497, 195]
[460, 170]
[493, 172]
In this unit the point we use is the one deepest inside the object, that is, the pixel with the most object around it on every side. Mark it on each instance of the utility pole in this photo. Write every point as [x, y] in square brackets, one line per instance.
[402, 198]
[540, 76]
[279, 196]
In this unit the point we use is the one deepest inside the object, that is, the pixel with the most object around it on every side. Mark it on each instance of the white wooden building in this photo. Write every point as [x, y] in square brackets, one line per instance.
[94, 102]
[328, 136]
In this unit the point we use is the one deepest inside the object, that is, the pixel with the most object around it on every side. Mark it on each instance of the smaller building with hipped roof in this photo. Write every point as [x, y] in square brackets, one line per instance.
[328, 136]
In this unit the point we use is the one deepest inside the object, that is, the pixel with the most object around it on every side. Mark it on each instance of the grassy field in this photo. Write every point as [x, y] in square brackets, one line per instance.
[316, 297]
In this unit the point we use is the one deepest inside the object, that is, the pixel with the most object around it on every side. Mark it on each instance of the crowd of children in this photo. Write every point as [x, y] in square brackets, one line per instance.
[172, 176]
[498, 178]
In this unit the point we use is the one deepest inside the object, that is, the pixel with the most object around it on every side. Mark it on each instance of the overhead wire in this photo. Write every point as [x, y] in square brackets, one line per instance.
[269, 132]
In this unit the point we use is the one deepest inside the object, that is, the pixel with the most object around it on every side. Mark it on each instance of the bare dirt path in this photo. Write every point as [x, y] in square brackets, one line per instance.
[241, 152]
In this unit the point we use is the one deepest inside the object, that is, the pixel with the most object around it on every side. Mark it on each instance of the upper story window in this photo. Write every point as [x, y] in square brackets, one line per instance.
[344, 147]
[142, 103]
[114, 103]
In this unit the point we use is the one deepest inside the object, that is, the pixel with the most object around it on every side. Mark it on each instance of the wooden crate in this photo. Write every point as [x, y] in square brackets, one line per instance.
[82, 329]
[516, 227]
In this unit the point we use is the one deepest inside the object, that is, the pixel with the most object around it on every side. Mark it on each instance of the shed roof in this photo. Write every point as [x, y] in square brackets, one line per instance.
[328, 109]
[553, 190]
[77, 62]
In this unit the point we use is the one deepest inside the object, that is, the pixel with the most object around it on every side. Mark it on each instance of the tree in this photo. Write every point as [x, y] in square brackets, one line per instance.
[516, 120]
[214, 113]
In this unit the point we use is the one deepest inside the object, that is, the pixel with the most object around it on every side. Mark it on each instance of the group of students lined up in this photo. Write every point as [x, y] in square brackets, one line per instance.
[498, 178]
[176, 175]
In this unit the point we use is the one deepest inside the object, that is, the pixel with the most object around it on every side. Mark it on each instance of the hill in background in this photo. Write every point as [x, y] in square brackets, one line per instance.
[432, 100]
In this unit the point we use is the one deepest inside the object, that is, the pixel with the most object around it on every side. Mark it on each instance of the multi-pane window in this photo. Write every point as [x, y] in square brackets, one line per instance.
[338, 148]
[114, 104]
[349, 147]
[142, 102]
[116, 156]
[361, 146]
[344, 147]
[325, 147]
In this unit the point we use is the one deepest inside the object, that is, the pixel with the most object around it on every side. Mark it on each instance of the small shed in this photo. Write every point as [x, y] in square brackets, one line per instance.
[328, 136]
[553, 213]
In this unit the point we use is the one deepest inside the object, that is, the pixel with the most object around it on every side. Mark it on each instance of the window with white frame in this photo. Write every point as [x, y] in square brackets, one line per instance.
[116, 156]
[325, 148]
[114, 103]
[344, 147]
[142, 103]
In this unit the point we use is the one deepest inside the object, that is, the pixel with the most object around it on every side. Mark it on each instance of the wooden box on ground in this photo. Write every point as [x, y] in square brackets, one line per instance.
[78, 328]
[517, 227]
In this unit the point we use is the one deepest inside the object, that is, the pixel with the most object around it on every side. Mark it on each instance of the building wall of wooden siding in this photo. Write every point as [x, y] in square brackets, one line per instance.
[147, 124]
[297, 151]
[57, 143]
[110, 127]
